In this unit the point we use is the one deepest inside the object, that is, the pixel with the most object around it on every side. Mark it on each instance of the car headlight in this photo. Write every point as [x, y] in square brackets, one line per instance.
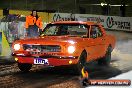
[16, 46]
[71, 49]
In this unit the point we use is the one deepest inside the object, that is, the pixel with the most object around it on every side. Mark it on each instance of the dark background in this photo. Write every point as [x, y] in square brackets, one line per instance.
[72, 6]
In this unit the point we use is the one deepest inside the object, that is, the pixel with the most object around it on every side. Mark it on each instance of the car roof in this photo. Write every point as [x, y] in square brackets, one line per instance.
[74, 22]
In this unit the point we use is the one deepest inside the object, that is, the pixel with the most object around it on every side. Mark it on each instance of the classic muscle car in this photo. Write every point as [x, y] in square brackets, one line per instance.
[65, 43]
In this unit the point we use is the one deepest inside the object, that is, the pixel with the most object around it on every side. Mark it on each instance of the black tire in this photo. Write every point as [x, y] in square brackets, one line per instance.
[24, 67]
[107, 58]
[82, 62]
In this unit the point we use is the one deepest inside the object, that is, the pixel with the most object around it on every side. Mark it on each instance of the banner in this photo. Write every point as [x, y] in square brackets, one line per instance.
[5, 49]
[63, 17]
[109, 22]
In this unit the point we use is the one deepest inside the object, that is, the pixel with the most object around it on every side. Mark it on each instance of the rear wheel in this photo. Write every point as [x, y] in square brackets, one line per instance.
[107, 58]
[81, 63]
[24, 67]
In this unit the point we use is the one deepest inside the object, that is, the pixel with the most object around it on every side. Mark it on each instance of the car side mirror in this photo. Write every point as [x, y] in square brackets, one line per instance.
[93, 36]
[84, 36]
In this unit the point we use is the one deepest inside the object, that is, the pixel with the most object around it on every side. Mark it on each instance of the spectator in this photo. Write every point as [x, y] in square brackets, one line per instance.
[33, 24]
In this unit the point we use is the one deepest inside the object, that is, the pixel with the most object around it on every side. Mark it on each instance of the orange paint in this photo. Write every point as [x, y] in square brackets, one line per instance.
[95, 47]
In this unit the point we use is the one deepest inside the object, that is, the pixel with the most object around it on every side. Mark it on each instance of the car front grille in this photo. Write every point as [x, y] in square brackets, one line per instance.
[40, 49]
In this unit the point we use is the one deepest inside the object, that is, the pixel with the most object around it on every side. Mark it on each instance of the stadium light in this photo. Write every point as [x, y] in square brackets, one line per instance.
[103, 4]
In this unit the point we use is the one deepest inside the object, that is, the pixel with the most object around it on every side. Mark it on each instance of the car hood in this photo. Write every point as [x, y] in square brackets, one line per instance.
[50, 40]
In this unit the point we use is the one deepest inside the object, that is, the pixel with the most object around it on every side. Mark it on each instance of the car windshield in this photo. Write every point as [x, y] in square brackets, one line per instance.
[65, 29]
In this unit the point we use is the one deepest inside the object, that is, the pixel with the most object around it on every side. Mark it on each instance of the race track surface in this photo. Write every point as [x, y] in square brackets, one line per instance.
[58, 77]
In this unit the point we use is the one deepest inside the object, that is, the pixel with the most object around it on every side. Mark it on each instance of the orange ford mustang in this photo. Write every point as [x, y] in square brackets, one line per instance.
[65, 43]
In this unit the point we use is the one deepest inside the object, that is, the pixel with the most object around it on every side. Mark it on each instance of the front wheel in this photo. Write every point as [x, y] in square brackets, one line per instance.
[24, 67]
[81, 63]
[107, 58]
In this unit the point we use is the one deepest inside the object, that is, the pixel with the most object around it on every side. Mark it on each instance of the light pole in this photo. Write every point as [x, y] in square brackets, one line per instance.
[75, 6]
[76, 3]
[123, 9]
[26, 4]
[10, 4]
[42, 5]
[105, 8]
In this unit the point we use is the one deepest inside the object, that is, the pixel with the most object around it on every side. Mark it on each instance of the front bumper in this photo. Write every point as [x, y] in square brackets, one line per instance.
[51, 60]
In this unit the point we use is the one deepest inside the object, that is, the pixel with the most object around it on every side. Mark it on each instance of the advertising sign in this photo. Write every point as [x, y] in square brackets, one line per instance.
[120, 23]
[63, 17]
[109, 22]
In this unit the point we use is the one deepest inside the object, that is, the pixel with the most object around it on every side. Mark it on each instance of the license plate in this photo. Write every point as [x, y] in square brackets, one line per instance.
[41, 61]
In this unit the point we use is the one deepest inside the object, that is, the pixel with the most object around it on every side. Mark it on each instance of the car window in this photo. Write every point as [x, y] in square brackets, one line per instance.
[51, 30]
[95, 32]
[66, 29]
[77, 30]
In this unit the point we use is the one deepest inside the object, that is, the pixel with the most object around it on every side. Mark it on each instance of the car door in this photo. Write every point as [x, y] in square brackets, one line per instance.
[97, 41]
[89, 45]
